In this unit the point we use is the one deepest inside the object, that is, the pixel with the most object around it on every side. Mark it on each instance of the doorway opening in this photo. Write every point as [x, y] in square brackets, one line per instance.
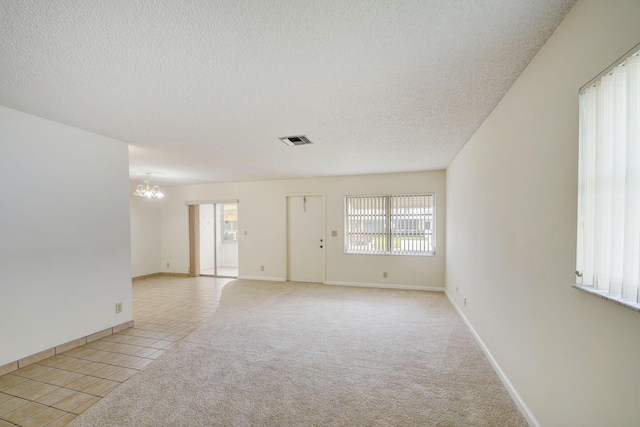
[216, 251]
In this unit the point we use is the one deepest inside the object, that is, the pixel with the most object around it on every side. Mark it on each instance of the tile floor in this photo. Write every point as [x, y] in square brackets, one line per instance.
[56, 390]
[222, 271]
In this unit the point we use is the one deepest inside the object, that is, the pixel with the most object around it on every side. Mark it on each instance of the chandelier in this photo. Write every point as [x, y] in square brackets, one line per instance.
[147, 190]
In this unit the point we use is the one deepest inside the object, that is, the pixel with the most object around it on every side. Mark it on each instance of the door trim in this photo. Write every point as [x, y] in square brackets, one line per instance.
[286, 232]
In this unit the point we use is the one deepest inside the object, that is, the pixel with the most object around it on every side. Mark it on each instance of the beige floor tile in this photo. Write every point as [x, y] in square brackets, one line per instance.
[81, 352]
[23, 412]
[107, 371]
[123, 374]
[32, 371]
[63, 421]
[178, 336]
[6, 424]
[4, 397]
[125, 348]
[156, 354]
[144, 351]
[96, 355]
[141, 333]
[74, 351]
[75, 364]
[115, 338]
[109, 358]
[99, 344]
[72, 402]
[82, 383]
[57, 361]
[101, 388]
[80, 409]
[127, 361]
[59, 377]
[140, 341]
[161, 335]
[43, 418]
[161, 344]
[31, 390]
[140, 364]
[89, 368]
[10, 380]
[55, 396]
[175, 329]
[11, 404]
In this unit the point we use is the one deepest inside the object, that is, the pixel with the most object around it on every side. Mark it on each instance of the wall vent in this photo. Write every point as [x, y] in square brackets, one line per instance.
[295, 140]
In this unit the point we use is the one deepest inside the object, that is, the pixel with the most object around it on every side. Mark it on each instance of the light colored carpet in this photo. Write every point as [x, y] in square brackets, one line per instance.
[288, 354]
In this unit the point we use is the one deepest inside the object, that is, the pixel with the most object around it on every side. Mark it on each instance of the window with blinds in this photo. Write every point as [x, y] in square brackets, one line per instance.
[608, 244]
[396, 225]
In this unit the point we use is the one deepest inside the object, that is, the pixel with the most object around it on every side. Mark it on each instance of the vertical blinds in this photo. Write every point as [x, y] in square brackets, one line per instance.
[366, 226]
[608, 245]
[399, 224]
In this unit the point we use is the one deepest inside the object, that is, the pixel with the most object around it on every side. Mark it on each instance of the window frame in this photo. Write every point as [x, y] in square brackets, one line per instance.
[387, 219]
[605, 189]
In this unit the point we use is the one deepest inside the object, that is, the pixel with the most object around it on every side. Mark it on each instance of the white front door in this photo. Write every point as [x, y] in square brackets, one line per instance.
[305, 238]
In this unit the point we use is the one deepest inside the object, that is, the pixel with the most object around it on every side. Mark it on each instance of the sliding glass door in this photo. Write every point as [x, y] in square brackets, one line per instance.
[218, 226]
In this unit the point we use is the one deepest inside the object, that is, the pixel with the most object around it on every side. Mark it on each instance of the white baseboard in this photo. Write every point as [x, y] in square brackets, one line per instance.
[384, 286]
[268, 279]
[524, 409]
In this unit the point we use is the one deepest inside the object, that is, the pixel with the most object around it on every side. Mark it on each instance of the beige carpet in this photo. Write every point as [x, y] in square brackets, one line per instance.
[286, 354]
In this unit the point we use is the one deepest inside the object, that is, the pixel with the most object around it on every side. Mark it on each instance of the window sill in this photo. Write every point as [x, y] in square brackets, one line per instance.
[390, 254]
[602, 294]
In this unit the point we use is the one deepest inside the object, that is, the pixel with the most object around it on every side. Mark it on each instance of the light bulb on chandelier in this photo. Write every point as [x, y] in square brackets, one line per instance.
[147, 190]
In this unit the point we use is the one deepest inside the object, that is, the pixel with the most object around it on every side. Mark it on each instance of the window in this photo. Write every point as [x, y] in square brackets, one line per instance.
[230, 223]
[396, 225]
[608, 245]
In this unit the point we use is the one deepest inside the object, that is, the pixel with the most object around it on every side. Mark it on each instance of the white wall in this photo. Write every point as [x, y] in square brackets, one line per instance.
[145, 234]
[262, 210]
[64, 234]
[511, 232]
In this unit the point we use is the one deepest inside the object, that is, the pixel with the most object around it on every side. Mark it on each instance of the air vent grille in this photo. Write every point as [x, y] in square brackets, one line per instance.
[295, 140]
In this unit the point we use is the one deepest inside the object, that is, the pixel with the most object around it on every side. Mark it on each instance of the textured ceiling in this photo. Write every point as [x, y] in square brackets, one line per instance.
[201, 90]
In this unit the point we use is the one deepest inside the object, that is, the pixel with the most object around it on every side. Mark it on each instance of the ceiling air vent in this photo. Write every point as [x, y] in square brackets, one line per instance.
[296, 140]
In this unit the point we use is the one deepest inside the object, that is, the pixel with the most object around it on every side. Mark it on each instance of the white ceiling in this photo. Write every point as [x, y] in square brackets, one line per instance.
[201, 90]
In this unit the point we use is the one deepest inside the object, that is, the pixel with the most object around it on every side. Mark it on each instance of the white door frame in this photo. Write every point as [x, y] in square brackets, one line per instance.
[286, 233]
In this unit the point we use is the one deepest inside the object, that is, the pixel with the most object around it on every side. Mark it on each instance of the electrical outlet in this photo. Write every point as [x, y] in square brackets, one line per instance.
[384, 275]
[168, 265]
[465, 301]
[456, 289]
[245, 232]
[262, 268]
[118, 307]
[334, 233]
